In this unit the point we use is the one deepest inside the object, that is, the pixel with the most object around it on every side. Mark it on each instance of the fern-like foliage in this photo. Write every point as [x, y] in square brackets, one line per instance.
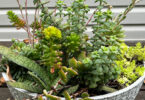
[26, 63]
[19, 23]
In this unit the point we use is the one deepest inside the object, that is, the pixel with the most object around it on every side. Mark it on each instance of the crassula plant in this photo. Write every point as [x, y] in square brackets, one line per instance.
[59, 59]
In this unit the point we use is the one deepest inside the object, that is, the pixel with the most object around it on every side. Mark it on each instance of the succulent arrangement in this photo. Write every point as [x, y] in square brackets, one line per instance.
[59, 59]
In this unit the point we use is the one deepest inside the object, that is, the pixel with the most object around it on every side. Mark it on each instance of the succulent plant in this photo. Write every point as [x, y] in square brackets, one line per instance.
[60, 59]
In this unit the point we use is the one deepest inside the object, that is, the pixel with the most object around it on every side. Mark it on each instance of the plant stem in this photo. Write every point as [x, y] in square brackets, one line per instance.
[91, 17]
[28, 28]
[34, 25]
[54, 88]
[79, 92]
[20, 9]
[119, 18]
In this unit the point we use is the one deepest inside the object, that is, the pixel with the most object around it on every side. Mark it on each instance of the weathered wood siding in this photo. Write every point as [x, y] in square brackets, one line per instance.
[134, 25]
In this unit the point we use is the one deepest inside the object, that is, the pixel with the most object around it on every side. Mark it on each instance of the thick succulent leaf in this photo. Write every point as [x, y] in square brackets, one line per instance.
[26, 86]
[66, 95]
[51, 97]
[25, 62]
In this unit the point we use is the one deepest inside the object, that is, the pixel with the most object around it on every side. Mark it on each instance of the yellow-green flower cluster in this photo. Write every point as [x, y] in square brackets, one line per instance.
[52, 32]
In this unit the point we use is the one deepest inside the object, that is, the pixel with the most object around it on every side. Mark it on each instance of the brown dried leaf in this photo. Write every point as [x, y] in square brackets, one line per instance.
[2, 81]
[27, 41]
[8, 73]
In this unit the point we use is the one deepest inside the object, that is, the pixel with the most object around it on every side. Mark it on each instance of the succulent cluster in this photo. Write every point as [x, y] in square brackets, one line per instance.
[52, 32]
[60, 59]
[130, 68]
[72, 43]
[100, 67]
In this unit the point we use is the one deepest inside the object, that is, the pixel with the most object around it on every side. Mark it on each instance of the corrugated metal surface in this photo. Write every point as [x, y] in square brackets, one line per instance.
[134, 25]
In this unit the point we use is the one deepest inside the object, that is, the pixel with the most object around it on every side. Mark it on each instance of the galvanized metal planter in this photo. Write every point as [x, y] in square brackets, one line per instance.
[128, 93]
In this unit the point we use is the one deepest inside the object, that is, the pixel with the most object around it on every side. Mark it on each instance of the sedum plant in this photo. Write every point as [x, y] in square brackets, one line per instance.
[60, 59]
[131, 65]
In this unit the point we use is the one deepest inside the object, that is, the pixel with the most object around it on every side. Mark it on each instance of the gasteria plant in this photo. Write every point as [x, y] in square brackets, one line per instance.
[60, 59]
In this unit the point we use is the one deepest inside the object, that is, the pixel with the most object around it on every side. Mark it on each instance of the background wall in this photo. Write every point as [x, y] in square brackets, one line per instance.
[134, 25]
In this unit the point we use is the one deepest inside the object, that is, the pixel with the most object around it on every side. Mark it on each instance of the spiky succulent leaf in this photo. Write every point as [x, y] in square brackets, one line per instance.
[26, 63]
[19, 23]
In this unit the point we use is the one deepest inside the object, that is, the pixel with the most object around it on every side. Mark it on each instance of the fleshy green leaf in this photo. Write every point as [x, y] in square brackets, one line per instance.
[66, 95]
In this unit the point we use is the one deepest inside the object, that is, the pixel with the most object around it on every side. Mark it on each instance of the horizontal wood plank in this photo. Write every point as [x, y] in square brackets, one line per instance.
[136, 16]
[131, 32]
[13, 3]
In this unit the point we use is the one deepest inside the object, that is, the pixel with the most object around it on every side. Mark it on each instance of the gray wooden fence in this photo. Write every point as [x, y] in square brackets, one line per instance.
[134, 25]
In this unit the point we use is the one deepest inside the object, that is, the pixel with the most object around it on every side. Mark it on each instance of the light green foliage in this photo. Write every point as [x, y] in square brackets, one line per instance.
[51, 55]
[19, 23]
[100, 67]
[72, 43]
[130, 69]
[60, 5]
[106, 31]
[77, 22]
